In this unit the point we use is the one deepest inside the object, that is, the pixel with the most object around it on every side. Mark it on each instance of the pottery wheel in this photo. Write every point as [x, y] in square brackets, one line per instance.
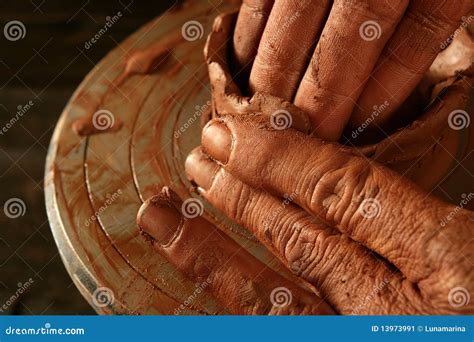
[95, 183]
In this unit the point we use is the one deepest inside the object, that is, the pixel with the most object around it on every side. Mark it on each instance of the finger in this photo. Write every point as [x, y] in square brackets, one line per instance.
[342, 270]
[343, 60]
[372, 204]
[249, 28]
[285, 49]
[419, 38]
[239, 281]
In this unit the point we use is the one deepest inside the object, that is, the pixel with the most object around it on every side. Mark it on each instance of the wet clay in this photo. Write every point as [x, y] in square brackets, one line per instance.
[446, 85]
[140, 62]
[85, 126]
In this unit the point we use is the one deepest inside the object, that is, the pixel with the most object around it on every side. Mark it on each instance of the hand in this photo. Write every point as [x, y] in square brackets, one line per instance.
[241, 283]
[370, 241]
[338, 59]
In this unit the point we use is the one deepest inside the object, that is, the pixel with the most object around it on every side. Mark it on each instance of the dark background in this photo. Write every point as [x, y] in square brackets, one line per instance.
[45, 67]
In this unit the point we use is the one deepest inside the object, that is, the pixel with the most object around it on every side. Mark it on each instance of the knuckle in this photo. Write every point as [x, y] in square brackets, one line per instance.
[424, 26]
[270, 167]
[339, 192]
[447, 12]
[272, 54]
[396, 296]
[374, 9]
[296, 246]
[451, 251]
[240, 292]
[257, 7]
[295, 237]
[449, 284]
[450, 291]
[407, 61]
[230, 195]
[280, 226]
[205, 266]
[237, 200]
[454, 271]
[307, 248]
[298, 5]
[324, 253]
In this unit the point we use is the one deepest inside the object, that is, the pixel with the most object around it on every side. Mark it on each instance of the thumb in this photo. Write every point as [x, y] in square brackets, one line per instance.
[372, 204]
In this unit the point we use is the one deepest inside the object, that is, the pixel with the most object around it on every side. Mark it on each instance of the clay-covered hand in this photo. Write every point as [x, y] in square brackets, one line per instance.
[206, 255]
[334, 58]
[369, 240]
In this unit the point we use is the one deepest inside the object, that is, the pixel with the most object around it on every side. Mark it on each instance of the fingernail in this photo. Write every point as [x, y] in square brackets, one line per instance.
[161, 221]
[217, 141]
[200, 169]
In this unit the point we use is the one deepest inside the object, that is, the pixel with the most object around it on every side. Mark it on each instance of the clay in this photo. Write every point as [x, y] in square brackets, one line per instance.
[226, 95]
[146, 61]
[85, 126]
[140, 62]
[310, 54]
[457, 58]
[397, 150]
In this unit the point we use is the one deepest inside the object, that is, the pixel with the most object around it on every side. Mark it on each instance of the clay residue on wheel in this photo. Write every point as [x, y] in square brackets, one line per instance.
[139, 62]
[86, 126]
[146, 61]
